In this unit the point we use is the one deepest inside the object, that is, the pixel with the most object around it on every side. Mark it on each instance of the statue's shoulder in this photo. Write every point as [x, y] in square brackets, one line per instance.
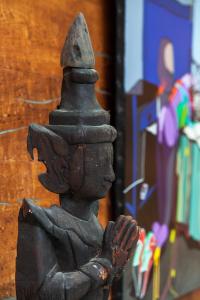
[30, 210]
[60, 223]
[46, 218]
[33, 214]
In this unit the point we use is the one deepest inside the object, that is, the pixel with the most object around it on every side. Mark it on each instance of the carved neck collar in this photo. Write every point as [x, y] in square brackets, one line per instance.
[79, 208]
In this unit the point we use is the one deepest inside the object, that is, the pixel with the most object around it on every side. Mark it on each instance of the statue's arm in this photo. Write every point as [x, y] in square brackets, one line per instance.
[38, 275]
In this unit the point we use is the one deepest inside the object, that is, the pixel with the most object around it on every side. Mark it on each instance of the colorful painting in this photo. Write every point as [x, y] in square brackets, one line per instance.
[159, 36]
[161, 84]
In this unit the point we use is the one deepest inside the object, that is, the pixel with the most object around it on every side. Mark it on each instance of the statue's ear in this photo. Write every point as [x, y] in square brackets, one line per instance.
[53, 151]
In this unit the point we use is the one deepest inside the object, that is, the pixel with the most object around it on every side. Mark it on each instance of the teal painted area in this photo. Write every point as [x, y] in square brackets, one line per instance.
[194, 220]
[184, 179]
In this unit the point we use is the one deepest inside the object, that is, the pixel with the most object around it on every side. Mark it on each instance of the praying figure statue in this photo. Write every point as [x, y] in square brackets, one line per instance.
[63, 253]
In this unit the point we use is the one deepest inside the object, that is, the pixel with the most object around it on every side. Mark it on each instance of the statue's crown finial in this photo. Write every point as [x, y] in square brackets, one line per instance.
[77, 51]
[78, 105]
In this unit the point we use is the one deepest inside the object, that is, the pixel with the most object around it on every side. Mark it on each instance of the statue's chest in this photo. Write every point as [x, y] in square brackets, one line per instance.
[81, 242]
[84, 249]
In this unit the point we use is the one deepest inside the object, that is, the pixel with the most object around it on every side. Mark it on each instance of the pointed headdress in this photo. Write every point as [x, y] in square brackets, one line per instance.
[79, 117]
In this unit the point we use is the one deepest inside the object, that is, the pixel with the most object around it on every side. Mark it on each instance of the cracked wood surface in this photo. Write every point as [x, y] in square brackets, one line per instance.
[32, 35]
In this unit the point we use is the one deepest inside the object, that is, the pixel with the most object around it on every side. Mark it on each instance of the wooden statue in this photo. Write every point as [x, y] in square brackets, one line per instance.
[63, 253]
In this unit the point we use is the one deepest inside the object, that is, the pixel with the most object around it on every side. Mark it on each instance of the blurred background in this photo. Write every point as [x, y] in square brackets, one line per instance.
[162, 171]
[148, 58]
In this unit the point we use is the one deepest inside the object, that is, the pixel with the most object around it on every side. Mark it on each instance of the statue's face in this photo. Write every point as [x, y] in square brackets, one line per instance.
[91, 171]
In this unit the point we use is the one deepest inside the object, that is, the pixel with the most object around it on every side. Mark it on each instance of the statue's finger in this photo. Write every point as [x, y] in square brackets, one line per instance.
[109, 231]
[129, 236]
[133, 245]
[120, 220]
[121, 231]
[132, 241]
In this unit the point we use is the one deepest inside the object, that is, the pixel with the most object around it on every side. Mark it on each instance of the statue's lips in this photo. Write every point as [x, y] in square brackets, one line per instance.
[107, 183]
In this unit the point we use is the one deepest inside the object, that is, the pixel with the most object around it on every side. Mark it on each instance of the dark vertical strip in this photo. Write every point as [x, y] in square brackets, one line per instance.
[135, 150]
[119, 123]
[119, 113]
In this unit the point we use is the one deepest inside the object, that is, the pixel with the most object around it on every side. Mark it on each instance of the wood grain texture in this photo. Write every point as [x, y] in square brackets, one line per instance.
[32, 35]
[8, 235]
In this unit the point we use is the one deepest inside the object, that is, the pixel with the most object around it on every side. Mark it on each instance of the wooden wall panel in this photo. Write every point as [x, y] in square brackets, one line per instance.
[32, 34]
[8, 234]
